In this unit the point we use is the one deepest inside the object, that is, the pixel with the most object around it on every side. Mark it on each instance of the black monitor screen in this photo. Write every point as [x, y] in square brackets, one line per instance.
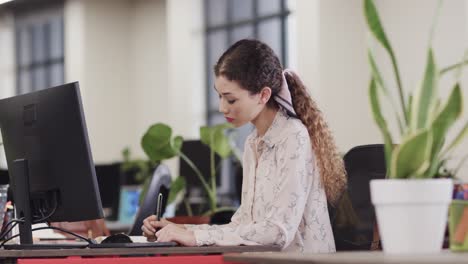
[45, 137]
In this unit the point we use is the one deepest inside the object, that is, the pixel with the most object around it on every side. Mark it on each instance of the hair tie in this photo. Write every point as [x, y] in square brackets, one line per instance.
[283, 98]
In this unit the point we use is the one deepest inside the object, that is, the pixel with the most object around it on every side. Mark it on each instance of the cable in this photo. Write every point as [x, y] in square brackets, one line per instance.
[8, 231]
[9, 223]
[54, 228]
[42, 211]
[45, 217]
[5, 231]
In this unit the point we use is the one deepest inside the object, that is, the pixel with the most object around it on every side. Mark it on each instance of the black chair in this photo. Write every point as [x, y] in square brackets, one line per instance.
[160, 183]
[353, 220]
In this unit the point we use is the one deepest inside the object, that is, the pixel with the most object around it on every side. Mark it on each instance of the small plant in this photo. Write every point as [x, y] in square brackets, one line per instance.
[423, 118]
[159, 144]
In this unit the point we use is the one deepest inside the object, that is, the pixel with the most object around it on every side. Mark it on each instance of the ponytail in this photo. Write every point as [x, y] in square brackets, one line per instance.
[330, 163]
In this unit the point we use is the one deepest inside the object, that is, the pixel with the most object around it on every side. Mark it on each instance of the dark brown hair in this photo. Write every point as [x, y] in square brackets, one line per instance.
[254, 65]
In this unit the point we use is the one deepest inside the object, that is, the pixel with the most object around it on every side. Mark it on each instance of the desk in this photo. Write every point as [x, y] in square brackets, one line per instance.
[357, 257]
[12, 255]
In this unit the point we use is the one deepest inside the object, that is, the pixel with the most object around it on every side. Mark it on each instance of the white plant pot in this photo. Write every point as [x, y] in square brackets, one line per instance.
[411, 213]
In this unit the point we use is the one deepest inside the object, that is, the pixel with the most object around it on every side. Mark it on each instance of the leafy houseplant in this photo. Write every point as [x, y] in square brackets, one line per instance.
[424, 120]
[159, 144]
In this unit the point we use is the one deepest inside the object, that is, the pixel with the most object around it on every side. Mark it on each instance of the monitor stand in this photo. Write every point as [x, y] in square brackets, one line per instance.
[20, 184]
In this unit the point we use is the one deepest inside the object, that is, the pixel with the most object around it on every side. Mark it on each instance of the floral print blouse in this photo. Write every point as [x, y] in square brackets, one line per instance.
[283, 201]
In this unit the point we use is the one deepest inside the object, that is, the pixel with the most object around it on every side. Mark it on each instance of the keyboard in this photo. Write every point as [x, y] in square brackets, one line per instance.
[134, 245]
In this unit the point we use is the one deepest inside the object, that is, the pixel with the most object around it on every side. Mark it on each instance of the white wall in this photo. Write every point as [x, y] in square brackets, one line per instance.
[7, 55]
[118, 52]
[103, 50]
[7, 63]
[138, 62]
[331, 60]
[187, 92]
[149, 71]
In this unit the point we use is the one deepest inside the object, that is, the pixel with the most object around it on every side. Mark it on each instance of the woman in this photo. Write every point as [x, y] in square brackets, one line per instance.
[291, 166]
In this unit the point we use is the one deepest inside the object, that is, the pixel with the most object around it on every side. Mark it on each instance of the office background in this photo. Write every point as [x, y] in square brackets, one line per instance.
[145, 61]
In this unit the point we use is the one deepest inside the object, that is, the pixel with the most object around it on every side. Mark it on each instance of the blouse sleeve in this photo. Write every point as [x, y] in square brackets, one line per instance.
[235, 219]
[284, 213]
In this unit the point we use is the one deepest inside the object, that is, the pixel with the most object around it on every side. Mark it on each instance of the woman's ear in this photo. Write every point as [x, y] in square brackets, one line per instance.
[265, 94]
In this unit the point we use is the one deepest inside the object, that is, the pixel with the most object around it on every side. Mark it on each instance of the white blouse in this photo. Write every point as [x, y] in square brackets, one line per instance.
[283, 201]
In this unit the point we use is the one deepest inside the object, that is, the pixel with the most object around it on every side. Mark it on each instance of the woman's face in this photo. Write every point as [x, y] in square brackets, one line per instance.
[237, 104]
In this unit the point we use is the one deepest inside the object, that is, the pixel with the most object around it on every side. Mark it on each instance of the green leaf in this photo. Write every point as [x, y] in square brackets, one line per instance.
[409, 112]
[216, 139]
[450, 112]
[424, 99]
[381, 123]
[452, 67]
[177, 186]
[373, 21]
[176, 144]
[158, 143]
[412, 157]
[380, 83]
[375, 26]
[458, 66]
[458, 139]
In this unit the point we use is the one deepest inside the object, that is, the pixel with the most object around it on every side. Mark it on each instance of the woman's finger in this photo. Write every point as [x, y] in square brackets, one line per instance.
[149, 219]
[148, 227]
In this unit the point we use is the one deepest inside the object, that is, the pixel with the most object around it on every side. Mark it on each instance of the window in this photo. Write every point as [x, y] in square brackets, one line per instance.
[39, 47]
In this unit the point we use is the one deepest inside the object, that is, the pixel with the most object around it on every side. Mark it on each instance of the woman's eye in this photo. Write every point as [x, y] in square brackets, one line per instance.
[231, 101]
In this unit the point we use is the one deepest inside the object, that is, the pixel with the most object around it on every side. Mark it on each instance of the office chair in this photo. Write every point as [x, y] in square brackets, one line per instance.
[160, 183]
[353, 220]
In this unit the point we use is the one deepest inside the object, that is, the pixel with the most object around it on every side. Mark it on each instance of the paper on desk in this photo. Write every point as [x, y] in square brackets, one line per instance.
[46, 233]
[138, 239]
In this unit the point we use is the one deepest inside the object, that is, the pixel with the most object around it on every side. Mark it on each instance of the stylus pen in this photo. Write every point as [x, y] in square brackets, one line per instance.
[158, 207]
[158, 210]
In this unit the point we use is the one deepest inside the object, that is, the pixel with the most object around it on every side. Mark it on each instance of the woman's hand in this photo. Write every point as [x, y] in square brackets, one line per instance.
[181, 235]
[151, 226]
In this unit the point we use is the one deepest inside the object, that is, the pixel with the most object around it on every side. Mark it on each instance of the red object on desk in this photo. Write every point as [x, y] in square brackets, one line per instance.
[213, 259]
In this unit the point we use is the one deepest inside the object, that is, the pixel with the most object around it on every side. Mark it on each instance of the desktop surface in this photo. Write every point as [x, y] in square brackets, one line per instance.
[14, 254]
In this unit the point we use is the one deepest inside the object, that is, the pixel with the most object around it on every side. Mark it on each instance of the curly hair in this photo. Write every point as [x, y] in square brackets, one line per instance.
[254, 65]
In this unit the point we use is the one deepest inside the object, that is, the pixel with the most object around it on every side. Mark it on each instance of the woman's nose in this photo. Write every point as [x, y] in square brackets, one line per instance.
[222, 107]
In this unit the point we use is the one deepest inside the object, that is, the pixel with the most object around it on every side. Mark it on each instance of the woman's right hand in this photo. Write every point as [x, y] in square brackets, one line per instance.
[151, 226]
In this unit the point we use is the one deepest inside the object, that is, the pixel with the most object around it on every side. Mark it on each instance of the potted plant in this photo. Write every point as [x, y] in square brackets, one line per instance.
[159, 144]
[412, 204]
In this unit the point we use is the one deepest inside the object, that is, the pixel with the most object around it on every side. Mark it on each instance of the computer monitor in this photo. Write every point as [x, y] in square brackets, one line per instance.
[49, 159]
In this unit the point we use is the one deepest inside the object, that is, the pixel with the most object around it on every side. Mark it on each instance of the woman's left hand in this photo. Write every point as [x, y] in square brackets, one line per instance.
[172, 232]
